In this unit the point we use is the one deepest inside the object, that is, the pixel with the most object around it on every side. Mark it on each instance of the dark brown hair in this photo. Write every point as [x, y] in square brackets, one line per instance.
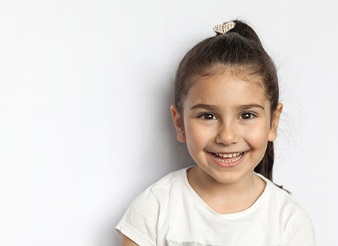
[240, 48]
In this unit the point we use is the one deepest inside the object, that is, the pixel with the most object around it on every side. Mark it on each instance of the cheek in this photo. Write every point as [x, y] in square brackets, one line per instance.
[197, 136]
[258, 134]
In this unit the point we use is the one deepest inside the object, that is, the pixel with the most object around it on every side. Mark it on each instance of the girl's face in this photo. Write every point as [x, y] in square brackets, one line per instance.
[226, 124]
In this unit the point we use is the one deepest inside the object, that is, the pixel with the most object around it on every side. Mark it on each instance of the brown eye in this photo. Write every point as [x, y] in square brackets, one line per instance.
[207, 117]
[247, 116]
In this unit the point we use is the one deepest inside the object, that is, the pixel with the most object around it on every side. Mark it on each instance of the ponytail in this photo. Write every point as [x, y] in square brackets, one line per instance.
[265, 166]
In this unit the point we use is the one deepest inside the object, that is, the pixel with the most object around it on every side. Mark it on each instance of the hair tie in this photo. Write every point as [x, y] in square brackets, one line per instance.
[224, 28]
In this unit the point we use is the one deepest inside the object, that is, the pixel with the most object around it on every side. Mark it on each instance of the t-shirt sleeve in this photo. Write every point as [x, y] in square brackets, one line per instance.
[300, 230]
[139, 223]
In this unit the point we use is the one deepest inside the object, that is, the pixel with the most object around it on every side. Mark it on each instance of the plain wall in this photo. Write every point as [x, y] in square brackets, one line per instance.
[85, 90]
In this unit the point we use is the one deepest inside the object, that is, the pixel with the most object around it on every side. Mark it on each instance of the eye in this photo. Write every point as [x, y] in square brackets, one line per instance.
[207, 116]
[247, 116]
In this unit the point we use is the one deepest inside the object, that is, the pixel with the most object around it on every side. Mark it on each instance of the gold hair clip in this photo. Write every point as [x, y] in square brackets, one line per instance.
[224, 28]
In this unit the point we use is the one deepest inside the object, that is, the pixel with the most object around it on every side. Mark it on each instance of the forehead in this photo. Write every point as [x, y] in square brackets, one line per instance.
[228, 84]
[245, 72]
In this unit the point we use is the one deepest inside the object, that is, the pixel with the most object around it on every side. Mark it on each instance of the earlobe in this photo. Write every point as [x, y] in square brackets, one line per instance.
[274, 122]
[178, 123]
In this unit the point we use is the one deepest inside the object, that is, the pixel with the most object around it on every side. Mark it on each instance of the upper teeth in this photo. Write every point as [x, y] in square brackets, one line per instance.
[228, 155]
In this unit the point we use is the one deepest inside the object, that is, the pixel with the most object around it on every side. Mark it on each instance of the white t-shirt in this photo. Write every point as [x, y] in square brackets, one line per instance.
[171, 213]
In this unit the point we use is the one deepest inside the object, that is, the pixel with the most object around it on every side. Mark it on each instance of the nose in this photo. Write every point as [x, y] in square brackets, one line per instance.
[227, 133]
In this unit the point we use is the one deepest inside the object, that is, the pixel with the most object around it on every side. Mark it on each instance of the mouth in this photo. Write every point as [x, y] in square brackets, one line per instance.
[228, 157]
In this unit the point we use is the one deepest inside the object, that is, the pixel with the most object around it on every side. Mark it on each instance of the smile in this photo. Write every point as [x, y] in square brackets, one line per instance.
[228, 158]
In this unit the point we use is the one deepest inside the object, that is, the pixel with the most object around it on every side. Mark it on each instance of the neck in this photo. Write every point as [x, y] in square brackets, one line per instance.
[226, 197]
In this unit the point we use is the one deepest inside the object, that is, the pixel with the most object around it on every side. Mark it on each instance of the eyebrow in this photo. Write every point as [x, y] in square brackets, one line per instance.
[214, 107]
[249, 106]
[205, 106]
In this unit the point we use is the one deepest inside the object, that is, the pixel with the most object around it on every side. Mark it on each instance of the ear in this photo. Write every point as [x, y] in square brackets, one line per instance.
[274, 122]
[178, 122]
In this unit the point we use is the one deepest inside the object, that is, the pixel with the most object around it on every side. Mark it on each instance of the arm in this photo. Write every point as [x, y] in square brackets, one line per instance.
[126, 241]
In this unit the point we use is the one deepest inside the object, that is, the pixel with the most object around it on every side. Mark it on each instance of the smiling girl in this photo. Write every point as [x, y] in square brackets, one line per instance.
[227, 111]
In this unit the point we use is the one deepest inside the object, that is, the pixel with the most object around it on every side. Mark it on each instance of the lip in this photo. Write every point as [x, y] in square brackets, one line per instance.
[228, 164]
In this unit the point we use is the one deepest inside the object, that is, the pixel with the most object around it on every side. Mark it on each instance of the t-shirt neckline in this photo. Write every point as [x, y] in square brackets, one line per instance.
[236, 215]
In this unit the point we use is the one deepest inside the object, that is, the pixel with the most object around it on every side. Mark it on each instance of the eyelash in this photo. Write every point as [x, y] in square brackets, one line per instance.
[242, 116]
[251, 116]
[204, 116]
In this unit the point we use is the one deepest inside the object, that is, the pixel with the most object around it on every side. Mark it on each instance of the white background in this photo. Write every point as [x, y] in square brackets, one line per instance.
[85, 90]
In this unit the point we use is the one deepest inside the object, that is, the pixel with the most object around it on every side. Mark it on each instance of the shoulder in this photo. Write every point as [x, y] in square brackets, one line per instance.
[140, 220]
[280, 197]
[287, 203]
[151, 197]
[172, 180]
[293, 217]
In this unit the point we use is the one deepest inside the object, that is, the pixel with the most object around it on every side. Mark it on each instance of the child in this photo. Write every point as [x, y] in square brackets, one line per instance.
[227, 112]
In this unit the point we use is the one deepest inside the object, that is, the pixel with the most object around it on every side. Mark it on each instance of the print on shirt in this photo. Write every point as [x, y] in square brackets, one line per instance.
[175, 243]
